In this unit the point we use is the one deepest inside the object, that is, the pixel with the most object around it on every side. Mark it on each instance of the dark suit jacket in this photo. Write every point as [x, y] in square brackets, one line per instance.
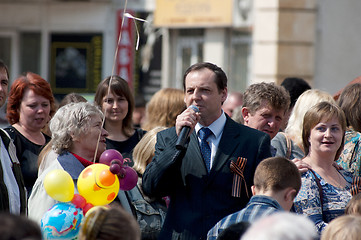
[198, 200]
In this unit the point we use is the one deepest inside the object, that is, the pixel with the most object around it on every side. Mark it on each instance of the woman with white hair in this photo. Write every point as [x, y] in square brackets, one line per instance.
[281, 226]
[75, 128]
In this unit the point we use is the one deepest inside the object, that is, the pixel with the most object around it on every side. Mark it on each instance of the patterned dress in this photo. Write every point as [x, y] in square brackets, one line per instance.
[334, 199]
[350, 158]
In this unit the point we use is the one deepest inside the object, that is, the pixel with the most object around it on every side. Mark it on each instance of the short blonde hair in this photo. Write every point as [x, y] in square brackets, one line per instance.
[144, 150]
[307, 99]
[343, 228]
[354, 205]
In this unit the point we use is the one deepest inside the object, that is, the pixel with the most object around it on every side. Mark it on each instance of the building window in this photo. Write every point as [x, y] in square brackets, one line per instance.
[5, 50]
[75, 62]
[240, 59]
[30, 52]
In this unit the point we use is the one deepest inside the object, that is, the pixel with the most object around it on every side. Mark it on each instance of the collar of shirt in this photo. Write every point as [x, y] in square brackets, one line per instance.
[217, 129]
[82, 160]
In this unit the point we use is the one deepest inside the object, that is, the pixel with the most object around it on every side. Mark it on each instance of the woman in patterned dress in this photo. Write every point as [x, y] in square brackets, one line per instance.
[325, 189]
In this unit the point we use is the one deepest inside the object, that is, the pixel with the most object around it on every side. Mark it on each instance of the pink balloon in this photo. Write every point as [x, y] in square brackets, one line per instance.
[110, 154]
[129, 180]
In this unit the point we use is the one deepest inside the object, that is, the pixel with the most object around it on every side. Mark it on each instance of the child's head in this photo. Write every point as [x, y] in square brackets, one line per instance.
[354, 205]
[277, 176]
[109, 224]
[343, 227]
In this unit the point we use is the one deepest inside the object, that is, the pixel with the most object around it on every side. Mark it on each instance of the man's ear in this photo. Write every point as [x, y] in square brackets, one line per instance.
[224, 95]
[245, 114]
[290, 195]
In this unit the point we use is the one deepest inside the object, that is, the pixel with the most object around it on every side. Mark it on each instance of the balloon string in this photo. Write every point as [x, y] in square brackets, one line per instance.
[128, 15]
[113, 69]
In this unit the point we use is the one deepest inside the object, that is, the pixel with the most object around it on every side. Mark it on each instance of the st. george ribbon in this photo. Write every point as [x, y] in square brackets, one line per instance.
[182, 138]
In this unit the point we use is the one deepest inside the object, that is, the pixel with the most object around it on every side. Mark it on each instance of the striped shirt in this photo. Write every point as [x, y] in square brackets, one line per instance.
[258, 206]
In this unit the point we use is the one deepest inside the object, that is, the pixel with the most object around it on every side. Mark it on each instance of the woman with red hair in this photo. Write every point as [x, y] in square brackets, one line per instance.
[30, 107]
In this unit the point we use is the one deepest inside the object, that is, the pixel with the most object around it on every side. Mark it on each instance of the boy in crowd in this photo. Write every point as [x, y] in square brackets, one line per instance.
[276, 184]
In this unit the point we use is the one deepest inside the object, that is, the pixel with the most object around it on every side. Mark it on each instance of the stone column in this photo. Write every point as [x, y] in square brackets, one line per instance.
[283, 40]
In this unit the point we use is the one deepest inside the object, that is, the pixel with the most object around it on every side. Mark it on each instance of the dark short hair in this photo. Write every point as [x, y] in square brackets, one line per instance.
[18, 227]
[220, 76]
[295, 86]
[234, 231]
[3, 66]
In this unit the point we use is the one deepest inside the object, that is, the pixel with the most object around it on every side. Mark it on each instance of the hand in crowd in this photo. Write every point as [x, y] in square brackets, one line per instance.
[301, 165]
[187, 118]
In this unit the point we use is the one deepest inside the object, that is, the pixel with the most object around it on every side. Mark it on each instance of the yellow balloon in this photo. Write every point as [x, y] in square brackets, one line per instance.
[98, 185]
[59, 185]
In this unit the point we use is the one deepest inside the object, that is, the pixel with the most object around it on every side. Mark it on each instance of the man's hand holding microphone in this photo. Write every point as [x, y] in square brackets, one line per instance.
[185, 123]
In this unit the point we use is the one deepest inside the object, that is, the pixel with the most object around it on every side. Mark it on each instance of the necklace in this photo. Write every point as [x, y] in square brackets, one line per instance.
[338, 183]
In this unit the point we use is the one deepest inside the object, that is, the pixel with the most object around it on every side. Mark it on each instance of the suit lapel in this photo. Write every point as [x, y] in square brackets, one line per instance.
[194, 150]
[227, 145]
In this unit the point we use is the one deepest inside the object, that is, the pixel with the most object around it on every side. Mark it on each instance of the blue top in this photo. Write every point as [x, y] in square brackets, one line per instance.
[334, 199]
[258, 206]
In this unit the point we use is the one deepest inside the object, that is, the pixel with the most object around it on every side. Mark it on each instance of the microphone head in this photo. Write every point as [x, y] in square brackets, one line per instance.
[194, 108]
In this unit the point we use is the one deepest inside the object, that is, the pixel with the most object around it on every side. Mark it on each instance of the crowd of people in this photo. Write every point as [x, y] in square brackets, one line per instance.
[273, 162]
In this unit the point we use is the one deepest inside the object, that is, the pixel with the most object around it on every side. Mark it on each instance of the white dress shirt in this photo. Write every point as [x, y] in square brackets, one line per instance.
[213, 140]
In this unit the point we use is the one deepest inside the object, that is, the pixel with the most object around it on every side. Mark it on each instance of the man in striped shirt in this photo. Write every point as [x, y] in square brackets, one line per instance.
[276, 184]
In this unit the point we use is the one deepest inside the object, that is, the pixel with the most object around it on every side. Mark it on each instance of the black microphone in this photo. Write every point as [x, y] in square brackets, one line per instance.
[182, 138]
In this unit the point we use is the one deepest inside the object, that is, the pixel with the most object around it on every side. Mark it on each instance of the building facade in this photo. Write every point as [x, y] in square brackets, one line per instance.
[73, 43]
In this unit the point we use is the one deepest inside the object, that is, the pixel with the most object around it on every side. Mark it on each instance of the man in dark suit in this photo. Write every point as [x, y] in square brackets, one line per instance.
[210, 178]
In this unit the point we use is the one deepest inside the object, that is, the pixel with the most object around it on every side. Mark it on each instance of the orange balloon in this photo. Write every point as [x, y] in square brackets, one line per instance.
[107, 178]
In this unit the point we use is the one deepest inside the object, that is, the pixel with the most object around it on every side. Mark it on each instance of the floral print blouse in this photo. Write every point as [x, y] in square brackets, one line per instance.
[334, 199]
[350, 158]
